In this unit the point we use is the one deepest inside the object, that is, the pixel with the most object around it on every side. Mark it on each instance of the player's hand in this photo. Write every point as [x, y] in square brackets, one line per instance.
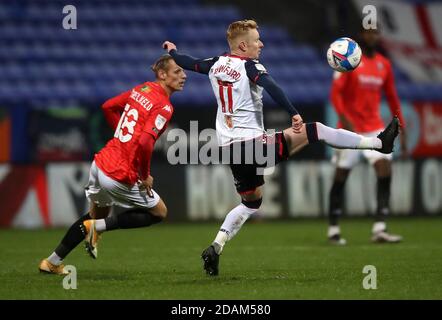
[297, 123]
[169, 46]
[148, 185]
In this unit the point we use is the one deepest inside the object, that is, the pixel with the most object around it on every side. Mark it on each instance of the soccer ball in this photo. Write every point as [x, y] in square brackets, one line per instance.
[344, 55]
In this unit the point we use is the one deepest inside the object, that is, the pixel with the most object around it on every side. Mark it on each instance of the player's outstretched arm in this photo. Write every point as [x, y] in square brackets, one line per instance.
[278, 95]
[188, 62]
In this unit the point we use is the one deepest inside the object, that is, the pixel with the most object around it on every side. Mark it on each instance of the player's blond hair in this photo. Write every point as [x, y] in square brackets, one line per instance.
[239, 28]
[162, 63]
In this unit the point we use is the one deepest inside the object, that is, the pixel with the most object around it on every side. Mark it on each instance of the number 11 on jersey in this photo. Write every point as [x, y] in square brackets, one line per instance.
[229, 86]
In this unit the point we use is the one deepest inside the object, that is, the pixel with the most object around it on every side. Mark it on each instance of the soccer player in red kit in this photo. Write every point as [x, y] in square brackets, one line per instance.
[356, 97]
[120, 173]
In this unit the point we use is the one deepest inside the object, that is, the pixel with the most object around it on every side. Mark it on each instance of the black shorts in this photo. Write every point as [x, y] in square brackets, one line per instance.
[263, 152]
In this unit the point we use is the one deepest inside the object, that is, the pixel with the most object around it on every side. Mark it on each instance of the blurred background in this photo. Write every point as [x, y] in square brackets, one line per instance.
[54, 80]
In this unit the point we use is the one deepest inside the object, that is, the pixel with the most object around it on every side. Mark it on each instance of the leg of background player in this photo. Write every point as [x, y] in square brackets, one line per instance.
[336, 205]
[379, 231]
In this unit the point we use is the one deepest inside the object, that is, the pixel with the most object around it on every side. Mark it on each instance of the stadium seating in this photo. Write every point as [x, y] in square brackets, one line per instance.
[117, 40]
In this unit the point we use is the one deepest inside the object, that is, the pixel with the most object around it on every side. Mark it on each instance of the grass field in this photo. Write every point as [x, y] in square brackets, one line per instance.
[267, 260]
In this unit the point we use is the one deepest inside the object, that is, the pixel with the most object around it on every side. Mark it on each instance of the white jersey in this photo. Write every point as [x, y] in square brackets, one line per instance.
[240, 115]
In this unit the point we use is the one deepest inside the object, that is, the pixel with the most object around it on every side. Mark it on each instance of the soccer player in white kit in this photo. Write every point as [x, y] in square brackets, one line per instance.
[238, 79]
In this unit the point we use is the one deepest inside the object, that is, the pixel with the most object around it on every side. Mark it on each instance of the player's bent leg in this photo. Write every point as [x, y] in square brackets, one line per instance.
[233, 222]
[97, 212]
[73, 237]
[379, 230]
[340, 138]
[337, 138]
[295, 141]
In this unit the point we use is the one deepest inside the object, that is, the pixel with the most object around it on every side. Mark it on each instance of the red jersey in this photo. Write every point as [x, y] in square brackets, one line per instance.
[357, 94]
[145, 108]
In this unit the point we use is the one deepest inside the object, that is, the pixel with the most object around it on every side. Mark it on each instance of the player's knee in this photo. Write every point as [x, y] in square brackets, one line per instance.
[97, 212]
[160, 210]
[164, 212]
[383, 168]
[252, 204]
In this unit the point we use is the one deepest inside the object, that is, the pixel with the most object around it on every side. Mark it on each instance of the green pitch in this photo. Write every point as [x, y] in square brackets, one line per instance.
[267, 260]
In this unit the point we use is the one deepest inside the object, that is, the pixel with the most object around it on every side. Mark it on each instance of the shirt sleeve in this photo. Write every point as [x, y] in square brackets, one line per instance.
[193, 64]
[258, 74]
[391, 95]
[337, 91]
[254, 70]
[158, 120]
[113, 108]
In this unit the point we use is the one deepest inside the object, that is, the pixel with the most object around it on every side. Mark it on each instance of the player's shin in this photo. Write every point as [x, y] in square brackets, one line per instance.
[340, 138]
[383, 197]
[234, 221]
[336, 202]
[73, 237]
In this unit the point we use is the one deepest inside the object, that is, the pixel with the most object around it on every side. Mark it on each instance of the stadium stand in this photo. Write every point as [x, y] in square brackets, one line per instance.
[117, 40]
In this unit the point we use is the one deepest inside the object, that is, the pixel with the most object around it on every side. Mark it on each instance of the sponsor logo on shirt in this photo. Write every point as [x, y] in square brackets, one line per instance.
[145, 89]
[370, 80]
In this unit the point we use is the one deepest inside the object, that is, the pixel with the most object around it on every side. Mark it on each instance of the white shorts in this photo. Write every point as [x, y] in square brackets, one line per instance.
[348, 158]
[106, 192]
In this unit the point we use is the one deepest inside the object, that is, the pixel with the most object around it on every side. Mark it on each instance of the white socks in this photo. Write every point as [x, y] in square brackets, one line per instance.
[100, 225]
[333, 230]
[379, 227]
[55, 259]
[344, 139]
[231, 225]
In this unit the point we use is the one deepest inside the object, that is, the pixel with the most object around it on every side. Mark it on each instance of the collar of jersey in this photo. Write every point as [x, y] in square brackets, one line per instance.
[159, 88]
[235, 56]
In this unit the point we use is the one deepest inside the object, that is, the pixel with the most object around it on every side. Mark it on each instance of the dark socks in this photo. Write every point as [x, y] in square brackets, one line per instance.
[383, 197]
[72, 238]
[336, 200]
[131, 219]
